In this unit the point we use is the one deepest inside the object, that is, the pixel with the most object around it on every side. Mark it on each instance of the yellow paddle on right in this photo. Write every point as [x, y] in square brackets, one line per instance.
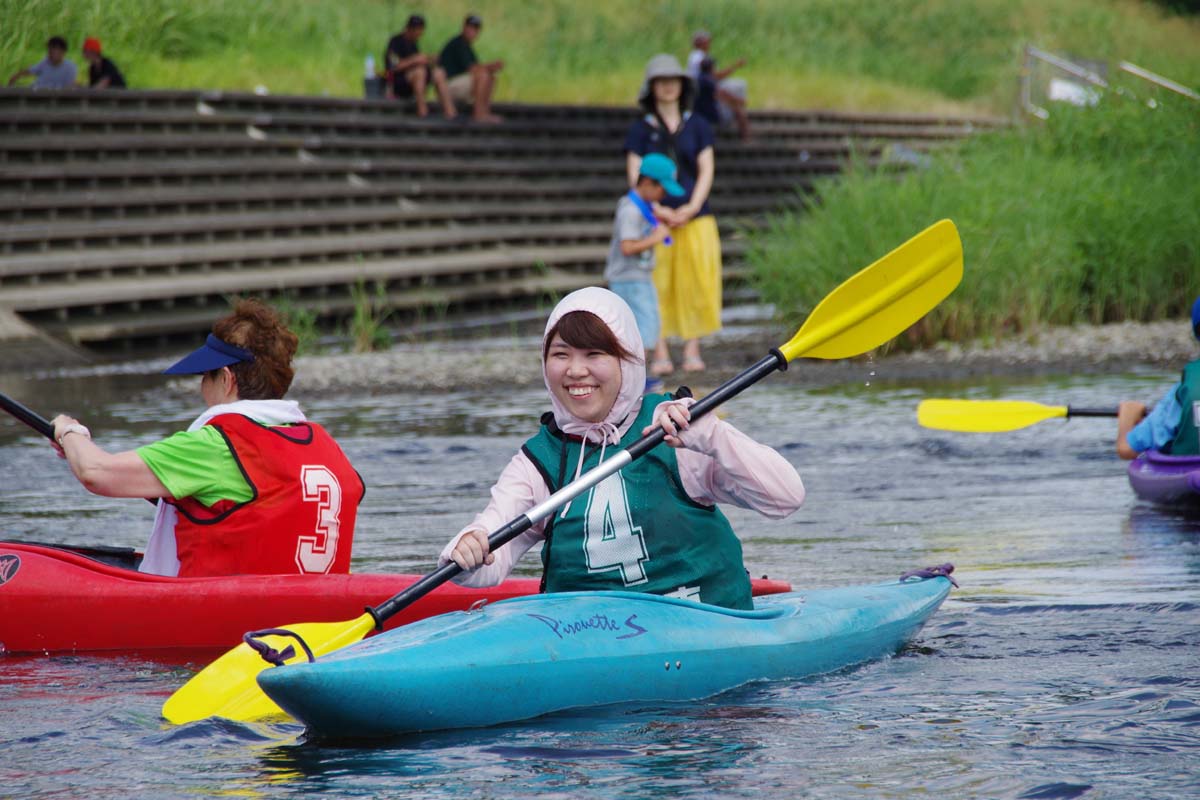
[995, 416]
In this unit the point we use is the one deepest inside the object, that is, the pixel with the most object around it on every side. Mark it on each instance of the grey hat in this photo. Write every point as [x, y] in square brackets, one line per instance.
[665, 65]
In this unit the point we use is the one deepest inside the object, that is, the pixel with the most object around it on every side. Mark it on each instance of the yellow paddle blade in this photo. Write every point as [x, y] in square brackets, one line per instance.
[228, 687]
[884, 299]
[984, 416]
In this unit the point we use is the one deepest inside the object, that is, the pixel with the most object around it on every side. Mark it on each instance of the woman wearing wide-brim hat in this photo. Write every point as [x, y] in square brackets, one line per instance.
[687, 273]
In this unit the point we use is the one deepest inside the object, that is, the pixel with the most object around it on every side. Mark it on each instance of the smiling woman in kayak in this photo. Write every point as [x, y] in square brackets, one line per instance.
[251, 487]
[652, 527]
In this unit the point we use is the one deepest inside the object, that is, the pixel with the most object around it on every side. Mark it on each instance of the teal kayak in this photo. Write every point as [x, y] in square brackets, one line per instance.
[521, 658]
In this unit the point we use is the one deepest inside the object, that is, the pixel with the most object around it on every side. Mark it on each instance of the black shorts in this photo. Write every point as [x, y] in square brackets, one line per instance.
[402, 88]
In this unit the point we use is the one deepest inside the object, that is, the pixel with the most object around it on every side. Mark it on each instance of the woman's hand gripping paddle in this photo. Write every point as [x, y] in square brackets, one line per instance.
[864, 312]
[36, 421]
[995, 416]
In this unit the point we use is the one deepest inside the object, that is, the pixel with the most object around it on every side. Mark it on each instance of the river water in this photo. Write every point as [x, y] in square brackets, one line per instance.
[1067, 665]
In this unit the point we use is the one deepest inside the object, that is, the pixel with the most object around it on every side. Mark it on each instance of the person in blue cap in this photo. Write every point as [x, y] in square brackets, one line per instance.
[636, 232]
[1173, 426]
[251, 487]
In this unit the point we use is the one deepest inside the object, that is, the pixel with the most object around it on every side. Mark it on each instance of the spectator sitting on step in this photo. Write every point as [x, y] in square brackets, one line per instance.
[469, 80]
[706, 94]
[102, 72]
[730, 93]
[410, 71]
[55, 71]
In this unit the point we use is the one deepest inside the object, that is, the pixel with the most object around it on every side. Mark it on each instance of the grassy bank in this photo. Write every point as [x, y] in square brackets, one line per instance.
[1093, 216]
[906, 55]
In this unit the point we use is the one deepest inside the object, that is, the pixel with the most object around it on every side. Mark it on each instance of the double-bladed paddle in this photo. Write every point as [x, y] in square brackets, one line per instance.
[995, 416]
[862, 313]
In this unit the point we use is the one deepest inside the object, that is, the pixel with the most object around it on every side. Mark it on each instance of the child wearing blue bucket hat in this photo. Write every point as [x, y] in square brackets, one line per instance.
[636, 231]
[1173, 426]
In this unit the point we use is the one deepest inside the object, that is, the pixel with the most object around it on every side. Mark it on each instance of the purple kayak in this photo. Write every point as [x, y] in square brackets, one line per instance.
[1169, 480]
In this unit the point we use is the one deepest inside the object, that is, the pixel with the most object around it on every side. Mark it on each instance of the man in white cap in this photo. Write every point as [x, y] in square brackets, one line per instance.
[729, 92]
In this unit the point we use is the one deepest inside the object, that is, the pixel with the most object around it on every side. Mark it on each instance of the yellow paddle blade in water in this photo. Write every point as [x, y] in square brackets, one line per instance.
[883, 299]
[984, 416]
[228, 687]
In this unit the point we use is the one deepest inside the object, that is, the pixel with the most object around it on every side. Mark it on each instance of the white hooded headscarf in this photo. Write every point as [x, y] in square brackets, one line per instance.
[616, 314]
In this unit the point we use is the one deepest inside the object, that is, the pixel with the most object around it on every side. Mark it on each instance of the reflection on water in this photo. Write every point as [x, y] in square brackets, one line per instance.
[1064, 667]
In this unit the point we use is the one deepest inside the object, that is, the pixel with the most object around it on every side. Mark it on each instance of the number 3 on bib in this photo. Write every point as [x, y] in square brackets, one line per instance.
[611, 539]
[315, 552]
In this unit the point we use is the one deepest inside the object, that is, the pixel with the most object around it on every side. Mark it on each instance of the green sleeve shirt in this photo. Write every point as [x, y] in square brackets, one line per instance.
[197, 464]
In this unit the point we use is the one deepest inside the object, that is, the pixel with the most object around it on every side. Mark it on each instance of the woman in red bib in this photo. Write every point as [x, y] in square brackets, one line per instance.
[251, 487]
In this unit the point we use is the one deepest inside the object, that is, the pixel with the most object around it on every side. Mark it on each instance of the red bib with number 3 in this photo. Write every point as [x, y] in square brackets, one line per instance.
[300, 520]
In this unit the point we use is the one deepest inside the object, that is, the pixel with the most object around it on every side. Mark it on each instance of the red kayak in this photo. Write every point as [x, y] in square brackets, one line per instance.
[60, 599]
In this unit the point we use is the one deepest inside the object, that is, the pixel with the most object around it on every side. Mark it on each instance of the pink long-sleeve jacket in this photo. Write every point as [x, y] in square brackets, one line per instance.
[718, 463]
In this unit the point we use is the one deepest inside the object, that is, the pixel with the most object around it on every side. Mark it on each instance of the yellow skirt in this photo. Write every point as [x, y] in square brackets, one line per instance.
[687, 275]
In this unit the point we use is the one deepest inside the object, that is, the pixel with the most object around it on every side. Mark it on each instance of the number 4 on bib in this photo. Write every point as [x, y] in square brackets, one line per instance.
[612, 541]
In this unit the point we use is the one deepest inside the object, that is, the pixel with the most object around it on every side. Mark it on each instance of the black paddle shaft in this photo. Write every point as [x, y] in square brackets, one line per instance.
[28, 416]
[731, 388]
[1072, 411]
[1091, 411]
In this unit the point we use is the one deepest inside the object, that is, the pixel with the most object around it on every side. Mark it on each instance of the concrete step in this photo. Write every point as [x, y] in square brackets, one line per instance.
[112, 130]
[463, 267]
[169, 229]
[103, 147]
[496, 279]
[215, 101]
[105, 263]
[109, 203]
[299, 159]
[45, 273]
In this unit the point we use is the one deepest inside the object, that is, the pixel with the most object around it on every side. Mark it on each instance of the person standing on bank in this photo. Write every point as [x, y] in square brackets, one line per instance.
[468, 79]
[688, 273]
[251, 487]
[629, 270]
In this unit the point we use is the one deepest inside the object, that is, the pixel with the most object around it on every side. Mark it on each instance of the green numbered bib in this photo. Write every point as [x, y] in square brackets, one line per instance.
[637, 529]
[1187, 438]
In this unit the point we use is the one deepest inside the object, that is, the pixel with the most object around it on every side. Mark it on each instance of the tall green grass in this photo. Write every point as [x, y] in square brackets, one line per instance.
[1093, 216]
[908, 55]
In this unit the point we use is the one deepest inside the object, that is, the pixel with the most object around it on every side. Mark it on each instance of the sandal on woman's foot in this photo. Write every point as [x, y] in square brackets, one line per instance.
[661, 366]
[693, 364]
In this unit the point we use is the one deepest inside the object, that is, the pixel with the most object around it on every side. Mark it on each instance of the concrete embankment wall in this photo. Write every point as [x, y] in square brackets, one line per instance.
[128, 219]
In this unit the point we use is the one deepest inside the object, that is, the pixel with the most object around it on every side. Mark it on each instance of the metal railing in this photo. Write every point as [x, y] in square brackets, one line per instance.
[1047, 77]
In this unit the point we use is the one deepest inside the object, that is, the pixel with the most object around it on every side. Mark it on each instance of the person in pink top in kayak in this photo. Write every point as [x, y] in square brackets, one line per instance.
[251, 487]
[655, 525]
